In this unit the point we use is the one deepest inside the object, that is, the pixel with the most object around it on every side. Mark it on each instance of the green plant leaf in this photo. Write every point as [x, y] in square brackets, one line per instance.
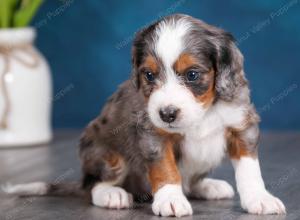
[23, 16]
[6, 11]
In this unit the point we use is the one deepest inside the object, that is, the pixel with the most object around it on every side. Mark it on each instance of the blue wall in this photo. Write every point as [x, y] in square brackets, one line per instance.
[88, 46]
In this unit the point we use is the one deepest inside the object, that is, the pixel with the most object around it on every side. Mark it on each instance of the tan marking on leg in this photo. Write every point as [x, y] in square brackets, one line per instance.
[116, 165]
[114, 159]
[236, 146]
[165, 170]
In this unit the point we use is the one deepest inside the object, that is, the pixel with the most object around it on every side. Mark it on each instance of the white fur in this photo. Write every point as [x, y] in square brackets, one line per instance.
[212, 189]
[232, 115]
[254, 197]
[107, 196]
[169, 200]
[36, 188]
[169, 43]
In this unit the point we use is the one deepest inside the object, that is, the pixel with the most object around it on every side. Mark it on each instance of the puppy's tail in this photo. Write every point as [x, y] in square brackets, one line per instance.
[44, 189]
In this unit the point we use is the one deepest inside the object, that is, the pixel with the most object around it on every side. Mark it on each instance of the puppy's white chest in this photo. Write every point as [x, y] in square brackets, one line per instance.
[201, 154]
[204, 146]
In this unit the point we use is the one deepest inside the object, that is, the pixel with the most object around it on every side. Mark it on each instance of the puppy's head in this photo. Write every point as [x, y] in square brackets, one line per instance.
[182, 66]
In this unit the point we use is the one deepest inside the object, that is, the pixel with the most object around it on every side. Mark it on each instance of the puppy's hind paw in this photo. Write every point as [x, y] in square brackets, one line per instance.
[212, 189]
[111, 197]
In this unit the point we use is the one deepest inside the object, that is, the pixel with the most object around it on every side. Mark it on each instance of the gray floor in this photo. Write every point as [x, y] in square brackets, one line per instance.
[57, 162]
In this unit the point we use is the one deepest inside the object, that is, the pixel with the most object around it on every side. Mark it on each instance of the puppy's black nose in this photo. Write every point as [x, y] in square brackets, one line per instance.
[168, 114]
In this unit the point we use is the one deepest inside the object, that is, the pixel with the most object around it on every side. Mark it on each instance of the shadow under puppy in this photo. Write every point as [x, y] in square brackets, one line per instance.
[186, 107]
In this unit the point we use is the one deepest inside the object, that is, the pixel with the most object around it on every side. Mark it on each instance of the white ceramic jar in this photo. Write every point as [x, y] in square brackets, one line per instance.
[25, 90]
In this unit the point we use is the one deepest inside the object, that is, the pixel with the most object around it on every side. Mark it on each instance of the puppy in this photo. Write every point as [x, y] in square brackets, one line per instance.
[186, 107]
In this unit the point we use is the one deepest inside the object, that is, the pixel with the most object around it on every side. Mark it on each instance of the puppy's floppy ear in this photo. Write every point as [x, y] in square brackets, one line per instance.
[134, 74]
[229, 68]
[140, 47]
[137, 54]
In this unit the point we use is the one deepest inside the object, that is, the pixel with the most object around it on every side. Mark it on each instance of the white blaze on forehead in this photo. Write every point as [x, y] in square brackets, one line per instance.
[169, 44]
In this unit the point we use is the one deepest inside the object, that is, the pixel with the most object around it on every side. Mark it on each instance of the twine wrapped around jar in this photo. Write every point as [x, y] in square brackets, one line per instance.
[8, 53]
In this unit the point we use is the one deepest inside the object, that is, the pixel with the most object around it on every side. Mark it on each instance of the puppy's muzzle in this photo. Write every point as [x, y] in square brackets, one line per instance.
[169, 113]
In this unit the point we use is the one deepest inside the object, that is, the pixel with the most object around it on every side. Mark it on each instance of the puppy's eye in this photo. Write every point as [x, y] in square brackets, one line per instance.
[149, 76]
[192, 75]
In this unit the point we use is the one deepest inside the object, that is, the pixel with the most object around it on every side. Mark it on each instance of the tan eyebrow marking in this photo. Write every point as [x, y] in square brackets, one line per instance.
[150, 63]
[184, 62]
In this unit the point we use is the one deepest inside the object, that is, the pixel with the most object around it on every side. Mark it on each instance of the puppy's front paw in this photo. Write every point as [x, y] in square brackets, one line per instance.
[262, 203]
[170, 201]
[112, 197]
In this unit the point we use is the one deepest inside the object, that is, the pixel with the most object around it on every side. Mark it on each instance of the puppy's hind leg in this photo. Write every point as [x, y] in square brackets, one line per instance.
[104, 170]
[108, 193]
[104, 182]
[212, 189]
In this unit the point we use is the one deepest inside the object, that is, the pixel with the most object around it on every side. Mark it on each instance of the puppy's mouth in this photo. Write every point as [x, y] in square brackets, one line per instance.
[170, 127]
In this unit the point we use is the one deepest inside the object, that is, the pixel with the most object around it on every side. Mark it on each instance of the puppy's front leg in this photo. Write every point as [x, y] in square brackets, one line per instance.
[165, 180]
[254, 197]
